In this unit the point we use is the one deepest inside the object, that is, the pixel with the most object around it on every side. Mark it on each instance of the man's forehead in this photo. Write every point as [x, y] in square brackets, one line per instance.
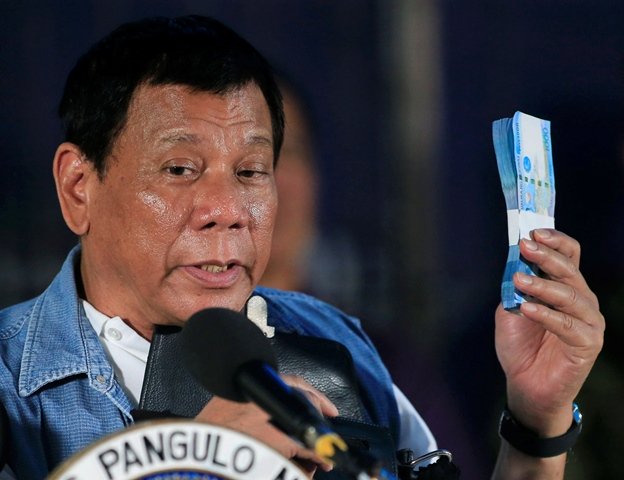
[166, 111]
[178, 136]
[172, 94]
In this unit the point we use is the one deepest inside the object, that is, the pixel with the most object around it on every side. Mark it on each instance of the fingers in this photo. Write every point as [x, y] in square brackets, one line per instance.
[568, 299]
[251, 420]
[558, 256]
[316, 397]
[235, 415]
[570, 309]
[560, 242]
[553, 262]
[310, 461]
[574, 318]
[560, 296]
[574, 331]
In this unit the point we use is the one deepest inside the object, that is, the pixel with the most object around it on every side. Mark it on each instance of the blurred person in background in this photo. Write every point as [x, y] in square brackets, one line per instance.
[305, 257]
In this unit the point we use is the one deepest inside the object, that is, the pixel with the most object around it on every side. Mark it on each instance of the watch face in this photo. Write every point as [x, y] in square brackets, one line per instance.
[576, 413]
[177, 450]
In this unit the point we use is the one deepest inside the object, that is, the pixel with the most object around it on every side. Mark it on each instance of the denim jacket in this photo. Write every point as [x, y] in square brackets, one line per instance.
[60, 391]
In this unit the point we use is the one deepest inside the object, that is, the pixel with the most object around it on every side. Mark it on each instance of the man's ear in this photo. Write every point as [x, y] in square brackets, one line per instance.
[73, 175]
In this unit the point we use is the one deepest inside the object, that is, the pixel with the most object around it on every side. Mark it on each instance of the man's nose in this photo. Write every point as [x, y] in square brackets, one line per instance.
[220, 204]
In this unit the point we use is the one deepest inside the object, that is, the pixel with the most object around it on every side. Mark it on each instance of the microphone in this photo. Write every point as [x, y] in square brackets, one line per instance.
[231, 357]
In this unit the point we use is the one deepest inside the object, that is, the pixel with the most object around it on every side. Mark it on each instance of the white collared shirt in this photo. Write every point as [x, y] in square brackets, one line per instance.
[125, 348]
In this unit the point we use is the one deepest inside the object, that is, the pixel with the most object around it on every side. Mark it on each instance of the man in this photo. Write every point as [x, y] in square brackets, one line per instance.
[173, 129]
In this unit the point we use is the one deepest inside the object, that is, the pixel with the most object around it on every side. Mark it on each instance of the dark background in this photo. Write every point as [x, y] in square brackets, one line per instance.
[559, 60]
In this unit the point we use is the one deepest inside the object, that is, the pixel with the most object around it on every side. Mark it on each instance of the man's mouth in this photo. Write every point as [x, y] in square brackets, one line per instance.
[215, 273]
[214, 268]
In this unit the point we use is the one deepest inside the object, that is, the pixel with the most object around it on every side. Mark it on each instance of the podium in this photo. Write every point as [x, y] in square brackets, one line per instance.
[177, 450]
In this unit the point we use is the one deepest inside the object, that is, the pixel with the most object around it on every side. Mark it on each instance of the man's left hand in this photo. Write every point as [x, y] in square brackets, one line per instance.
[548, 349]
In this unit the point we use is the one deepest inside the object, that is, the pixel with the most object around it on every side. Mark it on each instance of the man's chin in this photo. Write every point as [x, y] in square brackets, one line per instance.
[224, 301]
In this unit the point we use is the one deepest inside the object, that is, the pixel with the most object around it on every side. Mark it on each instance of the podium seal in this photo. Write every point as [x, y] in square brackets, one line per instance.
[177, 450]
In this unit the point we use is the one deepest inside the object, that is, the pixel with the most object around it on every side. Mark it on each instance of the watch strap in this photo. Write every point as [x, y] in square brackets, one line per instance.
[530, 443]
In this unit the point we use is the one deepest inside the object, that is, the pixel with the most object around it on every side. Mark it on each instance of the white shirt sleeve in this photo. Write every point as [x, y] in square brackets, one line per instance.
[414, 433]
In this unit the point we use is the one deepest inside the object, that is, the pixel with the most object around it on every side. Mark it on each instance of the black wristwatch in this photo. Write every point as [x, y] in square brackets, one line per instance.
[528, 442]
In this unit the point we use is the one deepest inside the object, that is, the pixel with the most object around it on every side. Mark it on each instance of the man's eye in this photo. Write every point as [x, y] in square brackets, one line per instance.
[178, 170]
[252, 170]
[251, 173]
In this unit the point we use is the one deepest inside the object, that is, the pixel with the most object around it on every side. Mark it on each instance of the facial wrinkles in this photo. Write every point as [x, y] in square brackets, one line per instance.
[167, 108]
[223, 135]
[238, 113]
[168, 119]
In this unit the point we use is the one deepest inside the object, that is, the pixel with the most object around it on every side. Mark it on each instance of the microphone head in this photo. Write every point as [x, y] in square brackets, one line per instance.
[216, 343]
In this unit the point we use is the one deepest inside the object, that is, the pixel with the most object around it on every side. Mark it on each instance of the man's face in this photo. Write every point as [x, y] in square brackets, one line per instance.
[183, 218]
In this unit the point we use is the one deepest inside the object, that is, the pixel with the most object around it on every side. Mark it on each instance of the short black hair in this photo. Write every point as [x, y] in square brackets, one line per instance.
[193, 50]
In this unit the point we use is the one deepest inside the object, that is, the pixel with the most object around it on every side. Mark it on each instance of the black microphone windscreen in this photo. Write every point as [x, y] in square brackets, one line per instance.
[216, 343]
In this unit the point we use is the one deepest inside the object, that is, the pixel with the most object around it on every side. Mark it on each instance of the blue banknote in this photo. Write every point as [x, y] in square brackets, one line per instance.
[524, 157]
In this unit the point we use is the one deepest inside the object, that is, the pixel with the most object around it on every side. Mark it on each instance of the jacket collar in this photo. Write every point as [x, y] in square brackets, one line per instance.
[60, 341]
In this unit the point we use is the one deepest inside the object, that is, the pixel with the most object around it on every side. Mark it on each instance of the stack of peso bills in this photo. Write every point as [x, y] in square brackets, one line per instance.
[524, 157]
